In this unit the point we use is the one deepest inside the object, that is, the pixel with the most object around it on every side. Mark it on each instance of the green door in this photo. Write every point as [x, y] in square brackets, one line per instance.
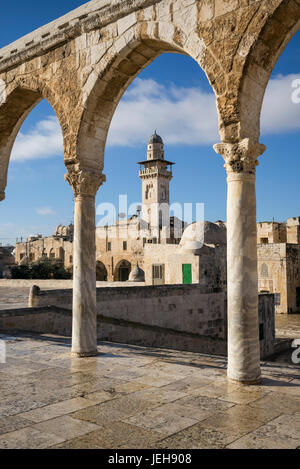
[187, 274]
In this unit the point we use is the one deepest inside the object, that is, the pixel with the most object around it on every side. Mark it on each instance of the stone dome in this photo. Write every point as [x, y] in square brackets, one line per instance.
[137, 274]
[200, 233]
[155, 138]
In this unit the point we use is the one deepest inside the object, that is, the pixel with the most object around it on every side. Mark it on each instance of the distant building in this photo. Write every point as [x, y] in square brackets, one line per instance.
[279, 263]
[7, 261]
[160, 249]
[58, 247]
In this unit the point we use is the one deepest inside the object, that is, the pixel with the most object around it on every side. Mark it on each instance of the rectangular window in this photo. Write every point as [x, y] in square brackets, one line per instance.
[277, 299]
[108, 246]
[158, 273]
[264, 241]
[124, 245]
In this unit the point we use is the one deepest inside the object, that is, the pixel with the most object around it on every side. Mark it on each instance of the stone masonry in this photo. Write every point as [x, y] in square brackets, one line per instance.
[83, 63]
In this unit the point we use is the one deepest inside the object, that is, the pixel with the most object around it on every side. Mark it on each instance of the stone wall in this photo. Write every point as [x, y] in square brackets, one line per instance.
[175, 317]
[279, 273]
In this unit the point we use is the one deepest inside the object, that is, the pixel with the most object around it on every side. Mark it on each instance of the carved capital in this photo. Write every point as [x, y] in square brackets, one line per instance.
[240, 157]
[85, 182]
[2, 195]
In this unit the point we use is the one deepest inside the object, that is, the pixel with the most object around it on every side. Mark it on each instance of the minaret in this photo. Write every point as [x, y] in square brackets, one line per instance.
[156, 174]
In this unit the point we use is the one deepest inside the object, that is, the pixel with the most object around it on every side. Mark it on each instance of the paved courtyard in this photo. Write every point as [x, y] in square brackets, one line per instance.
[133, 397]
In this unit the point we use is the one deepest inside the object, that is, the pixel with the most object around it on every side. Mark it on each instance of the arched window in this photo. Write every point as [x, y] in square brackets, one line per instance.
[264, 270]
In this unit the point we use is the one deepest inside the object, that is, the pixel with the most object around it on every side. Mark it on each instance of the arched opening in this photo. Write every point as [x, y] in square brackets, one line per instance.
[279, 167]
[273, 35]
[269, 105]
[264, 270]
[32, 165]
[121, 65]
[143, 92]
[122, 271]
[101, 272]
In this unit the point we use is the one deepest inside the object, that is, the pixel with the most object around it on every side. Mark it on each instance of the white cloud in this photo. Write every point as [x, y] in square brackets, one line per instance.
[279, 113]
[44, 211]
[44, 140]
[181, 115]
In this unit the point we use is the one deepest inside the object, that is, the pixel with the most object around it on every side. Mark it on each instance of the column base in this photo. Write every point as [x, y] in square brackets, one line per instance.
[84, 354]
[255, 382]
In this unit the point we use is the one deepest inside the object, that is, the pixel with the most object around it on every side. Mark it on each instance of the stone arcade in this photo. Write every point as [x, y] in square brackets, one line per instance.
[83, 62]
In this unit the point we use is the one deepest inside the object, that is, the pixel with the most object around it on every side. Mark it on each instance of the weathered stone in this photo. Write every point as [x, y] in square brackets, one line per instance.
[83, 62]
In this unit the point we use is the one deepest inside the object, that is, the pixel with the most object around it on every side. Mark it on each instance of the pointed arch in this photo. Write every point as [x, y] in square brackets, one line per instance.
[275, 27]
[133, 51]
[18, 102]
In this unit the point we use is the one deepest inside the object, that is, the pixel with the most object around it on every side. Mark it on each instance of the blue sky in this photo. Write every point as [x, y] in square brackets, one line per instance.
[172, 95]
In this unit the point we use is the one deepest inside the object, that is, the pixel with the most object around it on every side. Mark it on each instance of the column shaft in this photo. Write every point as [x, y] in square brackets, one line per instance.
[84, 341]
[243, 321]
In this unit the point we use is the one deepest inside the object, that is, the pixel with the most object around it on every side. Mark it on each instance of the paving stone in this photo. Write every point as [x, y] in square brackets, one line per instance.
[160, 404]
[160, 421]
[66, 427]
[28, 438]
[196, 437]
[115, 436]
[13, 423]
[56, 410]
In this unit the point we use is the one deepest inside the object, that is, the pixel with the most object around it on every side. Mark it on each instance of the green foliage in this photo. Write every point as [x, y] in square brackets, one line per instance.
[43, 269]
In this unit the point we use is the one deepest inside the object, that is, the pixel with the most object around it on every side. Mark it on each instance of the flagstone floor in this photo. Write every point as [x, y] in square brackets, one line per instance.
[133, 397]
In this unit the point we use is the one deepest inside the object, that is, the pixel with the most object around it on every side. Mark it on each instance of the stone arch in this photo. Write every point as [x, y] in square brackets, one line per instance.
[133, 51]
[101, 272]
[18, 100]
[275, 27]
[122, 271]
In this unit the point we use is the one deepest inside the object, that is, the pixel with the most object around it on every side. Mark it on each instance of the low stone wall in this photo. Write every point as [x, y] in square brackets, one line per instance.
[180, 317]
[59, 284]
[186, 308]
[44, 320]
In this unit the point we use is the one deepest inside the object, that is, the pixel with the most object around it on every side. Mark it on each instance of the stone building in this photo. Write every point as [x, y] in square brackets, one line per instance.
[83, 62]
[7, 261]
[279, 263]
[166, 250]
[59, 247]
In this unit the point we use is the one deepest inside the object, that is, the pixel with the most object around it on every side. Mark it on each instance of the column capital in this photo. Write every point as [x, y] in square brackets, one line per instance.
[2, 195]
[85, 182]
[240, 157]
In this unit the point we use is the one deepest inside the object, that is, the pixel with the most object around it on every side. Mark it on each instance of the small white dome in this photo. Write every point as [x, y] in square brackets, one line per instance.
[200, 233]
[137, 274]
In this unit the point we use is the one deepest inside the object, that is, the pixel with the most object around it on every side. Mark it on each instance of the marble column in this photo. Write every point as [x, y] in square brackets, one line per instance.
[85, 184]
[243, 319]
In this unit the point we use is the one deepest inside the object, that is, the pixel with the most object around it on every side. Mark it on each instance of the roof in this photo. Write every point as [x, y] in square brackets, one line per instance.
[155, 138]
[157, 159]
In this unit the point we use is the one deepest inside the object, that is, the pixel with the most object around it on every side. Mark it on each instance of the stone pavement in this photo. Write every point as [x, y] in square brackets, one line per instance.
[134, 397]
[288, 325]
